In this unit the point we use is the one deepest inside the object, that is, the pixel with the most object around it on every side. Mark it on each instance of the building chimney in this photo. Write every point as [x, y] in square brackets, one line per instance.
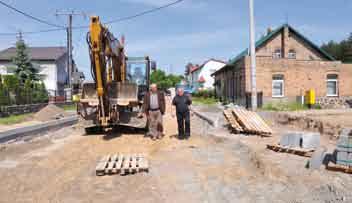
[269, 30]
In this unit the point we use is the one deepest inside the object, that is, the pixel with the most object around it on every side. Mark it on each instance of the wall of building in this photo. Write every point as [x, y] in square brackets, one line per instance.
[47, 69]
[299, 76]
[286, 41]
[206, 71]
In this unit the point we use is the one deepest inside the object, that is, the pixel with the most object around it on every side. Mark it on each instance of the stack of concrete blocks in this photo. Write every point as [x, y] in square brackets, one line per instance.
[305, 140]
[343, 150]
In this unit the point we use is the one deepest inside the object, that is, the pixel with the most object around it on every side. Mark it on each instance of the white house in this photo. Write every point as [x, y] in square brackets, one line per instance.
[50, 61]
[200, 76]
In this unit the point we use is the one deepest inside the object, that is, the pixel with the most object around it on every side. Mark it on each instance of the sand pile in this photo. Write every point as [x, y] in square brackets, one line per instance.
[50, 112]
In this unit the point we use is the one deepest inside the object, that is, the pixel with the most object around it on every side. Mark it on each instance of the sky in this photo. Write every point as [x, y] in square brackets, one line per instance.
[192, 31]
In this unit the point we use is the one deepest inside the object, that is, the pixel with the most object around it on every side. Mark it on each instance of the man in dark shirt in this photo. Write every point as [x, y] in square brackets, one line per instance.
[182, 103]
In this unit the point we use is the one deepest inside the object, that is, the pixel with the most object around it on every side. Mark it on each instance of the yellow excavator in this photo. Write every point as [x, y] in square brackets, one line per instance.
[120, 82]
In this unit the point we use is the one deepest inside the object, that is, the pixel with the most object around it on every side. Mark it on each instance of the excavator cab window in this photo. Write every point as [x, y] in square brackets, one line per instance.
[137, 73]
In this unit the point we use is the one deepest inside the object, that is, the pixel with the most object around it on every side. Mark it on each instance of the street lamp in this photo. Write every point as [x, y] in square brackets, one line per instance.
[253, 56]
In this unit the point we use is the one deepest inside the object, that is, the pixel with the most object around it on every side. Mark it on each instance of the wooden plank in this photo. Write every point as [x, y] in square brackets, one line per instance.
[111, 164]
[143, 164]
[296, 151]
[265, 127]
[232, 120]
[133, 167]
[251, 122]
[118, 164]
[251, 119]
[262, 127]
[240, 119]
[100, 168]
[339, 168]
[126, 165]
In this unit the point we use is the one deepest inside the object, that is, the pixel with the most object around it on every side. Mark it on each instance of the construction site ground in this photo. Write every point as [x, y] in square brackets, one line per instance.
[212, 166]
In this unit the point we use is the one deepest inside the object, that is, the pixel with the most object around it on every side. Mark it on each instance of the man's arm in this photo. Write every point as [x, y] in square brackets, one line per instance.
[163, 102]
[173, 107]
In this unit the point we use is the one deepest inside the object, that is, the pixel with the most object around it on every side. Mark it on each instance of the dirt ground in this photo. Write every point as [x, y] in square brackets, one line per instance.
[213, 166]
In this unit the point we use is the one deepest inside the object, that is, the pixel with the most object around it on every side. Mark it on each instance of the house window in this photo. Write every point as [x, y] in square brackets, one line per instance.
[291, 54]
[277, 54]
[331, 85]
[278, 86]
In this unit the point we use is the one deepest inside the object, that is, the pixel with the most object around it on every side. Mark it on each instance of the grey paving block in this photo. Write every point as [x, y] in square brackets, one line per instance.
[317, 158]
[295, 139]
[310, 140]
[342, 156]
[284, 141]
[291, 139]
[346, 132]
[344, 143]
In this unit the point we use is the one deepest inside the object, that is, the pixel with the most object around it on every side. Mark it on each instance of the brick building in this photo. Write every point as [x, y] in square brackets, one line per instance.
[288, 64]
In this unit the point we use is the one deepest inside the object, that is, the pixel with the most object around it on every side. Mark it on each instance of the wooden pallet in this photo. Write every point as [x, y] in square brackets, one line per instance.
[251, 122]
[337, 167]
[232, 120]
[296, 151]
[122, 164]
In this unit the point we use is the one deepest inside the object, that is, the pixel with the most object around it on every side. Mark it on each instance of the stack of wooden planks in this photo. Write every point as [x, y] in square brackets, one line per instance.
[122, 164]
[244, 121]
[297, 150]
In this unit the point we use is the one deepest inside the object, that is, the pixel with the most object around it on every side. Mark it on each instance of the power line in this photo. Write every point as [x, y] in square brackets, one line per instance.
[135, 15]
[28, 15]
[33, 32]
[108, 22]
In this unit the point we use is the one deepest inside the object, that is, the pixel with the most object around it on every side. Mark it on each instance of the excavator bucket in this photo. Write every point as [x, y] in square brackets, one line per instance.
[123, 94]
[88, 104]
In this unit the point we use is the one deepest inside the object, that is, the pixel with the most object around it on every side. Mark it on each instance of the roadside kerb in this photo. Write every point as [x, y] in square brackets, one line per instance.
[38, 128]
[206, 118]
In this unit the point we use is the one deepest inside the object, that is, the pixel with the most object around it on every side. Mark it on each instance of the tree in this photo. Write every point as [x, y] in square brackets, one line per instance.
[24, 68]
[164, 81]
[341, 51]
[347, 49]
[188, 68]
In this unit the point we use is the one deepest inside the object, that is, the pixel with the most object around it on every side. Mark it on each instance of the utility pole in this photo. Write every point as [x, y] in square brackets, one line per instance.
[253, 56]
[70, 15]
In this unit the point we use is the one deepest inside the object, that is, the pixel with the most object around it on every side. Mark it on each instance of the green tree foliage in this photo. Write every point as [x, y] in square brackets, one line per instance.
[24, 68]
[341, 51]
[39, 93]
[163, 80]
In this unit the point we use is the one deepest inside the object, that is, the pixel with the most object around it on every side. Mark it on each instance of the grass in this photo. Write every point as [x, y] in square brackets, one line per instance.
[204, 101]
[10, 120]
[284, 106]
[71, 107]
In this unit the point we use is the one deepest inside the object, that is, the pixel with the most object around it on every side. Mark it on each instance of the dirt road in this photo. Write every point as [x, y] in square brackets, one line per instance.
[60, 167]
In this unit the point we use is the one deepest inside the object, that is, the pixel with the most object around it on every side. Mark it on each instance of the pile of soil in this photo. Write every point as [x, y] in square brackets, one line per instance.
[50, 112]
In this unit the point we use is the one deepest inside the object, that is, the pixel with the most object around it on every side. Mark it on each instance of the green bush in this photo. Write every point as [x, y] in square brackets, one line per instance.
[11, 92]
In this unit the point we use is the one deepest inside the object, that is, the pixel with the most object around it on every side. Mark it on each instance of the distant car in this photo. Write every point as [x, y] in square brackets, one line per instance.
[167, 92]
[187, 89]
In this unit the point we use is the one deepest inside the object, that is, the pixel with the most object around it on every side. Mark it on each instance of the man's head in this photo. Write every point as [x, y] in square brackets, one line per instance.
[153, 87]
[180, 91]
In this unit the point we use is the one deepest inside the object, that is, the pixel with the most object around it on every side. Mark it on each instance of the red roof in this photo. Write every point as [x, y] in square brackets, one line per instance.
[201, 79]
[194, 68]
